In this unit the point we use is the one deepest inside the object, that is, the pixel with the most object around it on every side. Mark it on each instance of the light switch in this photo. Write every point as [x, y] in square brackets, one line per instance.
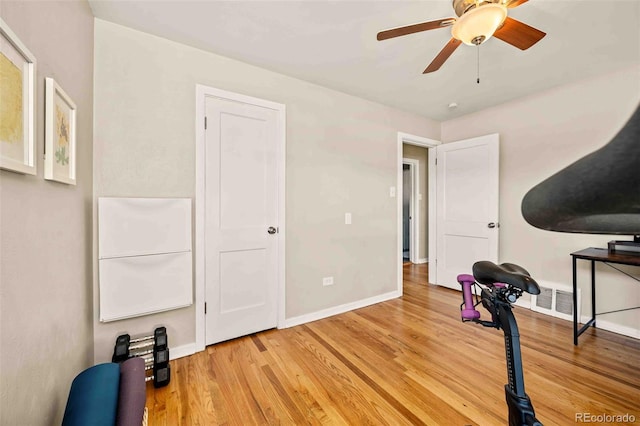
[392, 191]
[347, 218]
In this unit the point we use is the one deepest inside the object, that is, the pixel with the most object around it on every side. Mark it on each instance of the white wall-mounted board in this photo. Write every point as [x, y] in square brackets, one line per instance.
[141, 226]
[142, 285]
[144, 256]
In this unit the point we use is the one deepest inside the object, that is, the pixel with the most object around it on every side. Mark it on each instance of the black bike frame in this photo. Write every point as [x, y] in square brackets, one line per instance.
[520, 408]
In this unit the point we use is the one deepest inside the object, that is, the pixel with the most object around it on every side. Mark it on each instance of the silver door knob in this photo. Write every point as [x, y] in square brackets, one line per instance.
[492, 225]
[272, 230]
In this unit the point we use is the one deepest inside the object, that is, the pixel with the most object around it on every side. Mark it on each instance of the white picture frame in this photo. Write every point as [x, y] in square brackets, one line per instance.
[59, 135]
[17, 106]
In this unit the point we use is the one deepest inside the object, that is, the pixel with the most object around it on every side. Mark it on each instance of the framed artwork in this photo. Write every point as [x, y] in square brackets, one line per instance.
[17, 104]
[59, 135]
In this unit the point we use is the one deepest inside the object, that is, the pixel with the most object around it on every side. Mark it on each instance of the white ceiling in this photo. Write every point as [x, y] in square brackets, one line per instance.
[333, 44]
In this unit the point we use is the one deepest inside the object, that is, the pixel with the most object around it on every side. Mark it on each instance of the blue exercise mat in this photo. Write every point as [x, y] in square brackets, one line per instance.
[93, 398]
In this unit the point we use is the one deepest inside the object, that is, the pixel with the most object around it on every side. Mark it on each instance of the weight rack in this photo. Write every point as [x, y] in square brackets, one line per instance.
[154, 349]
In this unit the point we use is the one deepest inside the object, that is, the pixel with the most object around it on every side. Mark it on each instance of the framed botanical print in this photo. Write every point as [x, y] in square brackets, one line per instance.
[59, 135]
[17, 104]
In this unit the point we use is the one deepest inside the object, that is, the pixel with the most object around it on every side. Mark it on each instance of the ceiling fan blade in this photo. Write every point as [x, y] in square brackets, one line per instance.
[444, 54]
[514, 3]
[518, 34]
[415, 28]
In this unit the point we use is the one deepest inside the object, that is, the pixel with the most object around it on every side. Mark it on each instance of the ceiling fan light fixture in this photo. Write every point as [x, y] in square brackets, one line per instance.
[478, 25]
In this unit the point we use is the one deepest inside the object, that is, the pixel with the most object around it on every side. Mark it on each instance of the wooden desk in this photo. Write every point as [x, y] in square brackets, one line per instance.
[597, 255]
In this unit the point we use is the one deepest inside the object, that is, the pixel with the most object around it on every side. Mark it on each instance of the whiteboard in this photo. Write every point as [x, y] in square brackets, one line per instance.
[144, 256]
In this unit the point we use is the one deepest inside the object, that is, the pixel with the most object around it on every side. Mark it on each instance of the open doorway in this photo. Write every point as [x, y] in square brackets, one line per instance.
[406, 212]
[411, 198]
[415, 203]
[419, 154]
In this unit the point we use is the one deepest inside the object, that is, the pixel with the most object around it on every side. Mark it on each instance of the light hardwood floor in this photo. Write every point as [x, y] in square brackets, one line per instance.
[406, 361]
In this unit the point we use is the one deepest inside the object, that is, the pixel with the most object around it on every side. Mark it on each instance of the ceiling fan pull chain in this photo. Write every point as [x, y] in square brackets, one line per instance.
[478, 69]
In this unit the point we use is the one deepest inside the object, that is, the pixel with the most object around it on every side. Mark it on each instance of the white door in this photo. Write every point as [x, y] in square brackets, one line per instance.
[241, 219]
[467, 206]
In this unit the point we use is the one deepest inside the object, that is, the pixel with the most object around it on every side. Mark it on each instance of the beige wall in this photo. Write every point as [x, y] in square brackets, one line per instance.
[422, 155]
[46, 329]
[540, 135]
[341, 157]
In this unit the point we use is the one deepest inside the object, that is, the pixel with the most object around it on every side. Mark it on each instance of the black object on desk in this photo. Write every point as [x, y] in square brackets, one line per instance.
[597, 255]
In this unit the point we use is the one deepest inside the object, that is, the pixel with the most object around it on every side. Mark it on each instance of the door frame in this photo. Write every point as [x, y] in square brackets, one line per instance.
[202, 92]
[430, 144]
[414, 209]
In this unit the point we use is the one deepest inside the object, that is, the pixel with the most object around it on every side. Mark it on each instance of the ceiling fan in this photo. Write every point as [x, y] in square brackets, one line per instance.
[477, 21]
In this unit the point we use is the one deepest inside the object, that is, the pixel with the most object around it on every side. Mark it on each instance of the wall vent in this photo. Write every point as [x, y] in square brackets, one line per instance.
[555, 300]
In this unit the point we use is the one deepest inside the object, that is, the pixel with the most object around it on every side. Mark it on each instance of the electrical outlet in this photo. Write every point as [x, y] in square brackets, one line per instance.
[392, 191]
[327, 281]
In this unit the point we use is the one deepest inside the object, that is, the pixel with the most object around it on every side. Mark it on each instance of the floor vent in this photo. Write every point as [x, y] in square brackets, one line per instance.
[555, 300]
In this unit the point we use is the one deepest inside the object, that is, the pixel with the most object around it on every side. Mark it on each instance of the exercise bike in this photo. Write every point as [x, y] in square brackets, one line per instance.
[501, 285]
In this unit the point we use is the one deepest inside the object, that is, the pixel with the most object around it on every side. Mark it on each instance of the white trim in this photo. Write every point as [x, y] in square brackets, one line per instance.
[282, 161]
[523, 303]
[613, 327]
[425, 143]
[182, 351]
[423, 260]
[329, 312]
[201, 93]
[199, 238]
[432, 271]
[414, 209]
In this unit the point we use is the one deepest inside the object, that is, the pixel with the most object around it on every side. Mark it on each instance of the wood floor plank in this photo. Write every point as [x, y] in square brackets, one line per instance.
[404, 361]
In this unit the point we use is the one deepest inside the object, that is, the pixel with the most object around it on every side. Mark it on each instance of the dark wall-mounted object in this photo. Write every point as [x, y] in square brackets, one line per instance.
[598, 194]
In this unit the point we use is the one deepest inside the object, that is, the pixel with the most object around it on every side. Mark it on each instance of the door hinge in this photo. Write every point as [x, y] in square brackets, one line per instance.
[205, 308]
[205, 123]
[436, 159]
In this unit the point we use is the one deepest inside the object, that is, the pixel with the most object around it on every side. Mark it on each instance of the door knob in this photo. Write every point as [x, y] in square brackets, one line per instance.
[272, 230]
[493, 225]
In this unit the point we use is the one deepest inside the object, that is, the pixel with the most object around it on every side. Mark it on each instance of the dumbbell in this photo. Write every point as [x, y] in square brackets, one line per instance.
[152, 348]
[158, 364]
[121, 349]
[126, 347]
[160, 338]
[161, 367]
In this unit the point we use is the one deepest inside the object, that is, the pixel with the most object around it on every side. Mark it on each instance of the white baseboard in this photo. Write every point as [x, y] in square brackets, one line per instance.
[190, 349]
[329, 312]
[613, 327]
[423, 260]
[182, 351]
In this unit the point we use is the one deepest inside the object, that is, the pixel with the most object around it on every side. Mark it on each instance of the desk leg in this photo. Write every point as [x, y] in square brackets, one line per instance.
[592, 322]
[575, 304]
[593, 292]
